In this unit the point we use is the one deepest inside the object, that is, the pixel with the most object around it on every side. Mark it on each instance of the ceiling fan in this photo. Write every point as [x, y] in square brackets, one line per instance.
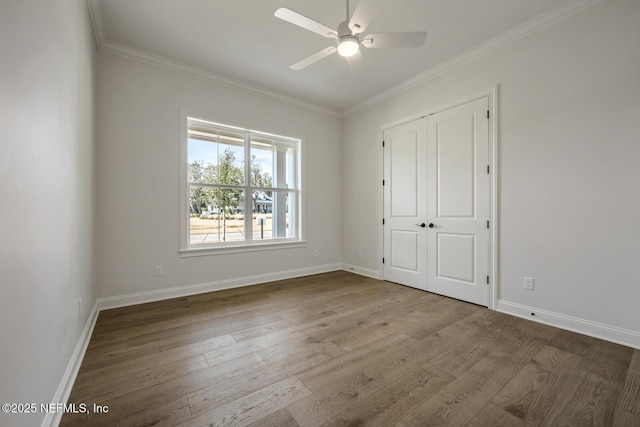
[350, 33]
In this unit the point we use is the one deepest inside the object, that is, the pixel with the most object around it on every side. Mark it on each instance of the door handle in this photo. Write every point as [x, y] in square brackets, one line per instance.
[431, 225]
[423, 225]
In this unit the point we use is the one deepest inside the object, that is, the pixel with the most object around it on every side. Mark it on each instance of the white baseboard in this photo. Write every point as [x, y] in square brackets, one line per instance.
[70, 374]
[218, 285]
[582, 326]
[374, 274]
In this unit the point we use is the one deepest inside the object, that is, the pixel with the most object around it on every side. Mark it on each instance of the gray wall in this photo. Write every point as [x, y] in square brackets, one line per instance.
[139, 178]
[46, 187]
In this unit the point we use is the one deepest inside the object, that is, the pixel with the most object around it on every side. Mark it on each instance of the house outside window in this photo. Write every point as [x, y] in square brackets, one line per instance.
[241, 189]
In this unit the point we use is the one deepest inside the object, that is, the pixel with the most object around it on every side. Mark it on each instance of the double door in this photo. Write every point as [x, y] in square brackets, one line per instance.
[437, 191]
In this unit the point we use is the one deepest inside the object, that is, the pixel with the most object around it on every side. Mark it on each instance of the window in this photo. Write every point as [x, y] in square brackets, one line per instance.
[241, 188]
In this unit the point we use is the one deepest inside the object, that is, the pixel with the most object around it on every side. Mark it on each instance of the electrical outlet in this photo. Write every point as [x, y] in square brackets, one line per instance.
[80, 308]
[315, 252]
[159, 271]
[359, 253]
[529, 283]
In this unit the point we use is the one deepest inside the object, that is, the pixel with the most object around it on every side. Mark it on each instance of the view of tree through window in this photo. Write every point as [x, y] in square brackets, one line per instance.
[231, 201]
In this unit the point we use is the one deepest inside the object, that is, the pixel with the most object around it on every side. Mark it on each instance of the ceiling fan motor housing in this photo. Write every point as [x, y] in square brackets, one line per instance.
[344, 30]
[348, 43]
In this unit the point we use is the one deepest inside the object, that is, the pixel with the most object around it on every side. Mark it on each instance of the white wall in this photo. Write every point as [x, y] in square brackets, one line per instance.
[569, 147]
[46, 185]
[138, 178]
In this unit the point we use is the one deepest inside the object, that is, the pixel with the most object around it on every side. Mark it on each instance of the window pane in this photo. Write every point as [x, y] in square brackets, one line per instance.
[225, 166]
[272, 163]
[273, 215]
[216, 158]
[216, 215]
[262, 226]
[261, 162]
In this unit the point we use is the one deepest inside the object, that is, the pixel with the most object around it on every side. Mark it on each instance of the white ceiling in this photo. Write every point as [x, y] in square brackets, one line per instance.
[242, 42]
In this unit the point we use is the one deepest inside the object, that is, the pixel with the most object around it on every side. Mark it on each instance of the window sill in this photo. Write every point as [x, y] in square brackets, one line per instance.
[240, 248]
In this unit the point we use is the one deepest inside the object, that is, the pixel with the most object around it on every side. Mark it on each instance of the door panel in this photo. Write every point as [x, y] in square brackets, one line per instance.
[457, 257]
[405, 241]
[404, 251]
[403, 163]
[458, 204]
[455, 171]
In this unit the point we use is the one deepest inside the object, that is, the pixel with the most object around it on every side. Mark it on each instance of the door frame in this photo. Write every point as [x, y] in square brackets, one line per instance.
[492, 96]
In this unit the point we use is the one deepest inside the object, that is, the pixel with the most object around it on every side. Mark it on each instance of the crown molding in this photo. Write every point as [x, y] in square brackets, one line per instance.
[199, 73]
[534, 25]
[542, 21]
[97, 22]
[104, 45]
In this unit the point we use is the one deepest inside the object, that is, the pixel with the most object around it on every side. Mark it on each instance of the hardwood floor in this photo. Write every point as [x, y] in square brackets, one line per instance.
[339, 349]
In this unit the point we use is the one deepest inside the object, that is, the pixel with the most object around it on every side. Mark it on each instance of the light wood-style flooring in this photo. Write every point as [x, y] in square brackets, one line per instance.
[338, 349]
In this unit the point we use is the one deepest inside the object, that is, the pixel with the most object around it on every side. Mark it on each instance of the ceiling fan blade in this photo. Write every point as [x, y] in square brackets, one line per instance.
[363, 15]
[409, 39]
[302, 21]
[314, 58]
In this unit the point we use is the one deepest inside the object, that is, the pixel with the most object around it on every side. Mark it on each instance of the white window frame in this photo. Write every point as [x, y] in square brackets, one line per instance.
[249, 245]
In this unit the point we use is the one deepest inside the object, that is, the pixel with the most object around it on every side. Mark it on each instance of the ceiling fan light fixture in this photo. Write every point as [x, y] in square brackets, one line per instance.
[348, 46]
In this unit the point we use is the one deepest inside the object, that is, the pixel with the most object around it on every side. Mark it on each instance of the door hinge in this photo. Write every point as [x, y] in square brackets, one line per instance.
[487, 280]
[383, 182]
[383, 143]
[487, 114]
[487, 224]
[382, 221]
[383, 260]
[488, 169]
